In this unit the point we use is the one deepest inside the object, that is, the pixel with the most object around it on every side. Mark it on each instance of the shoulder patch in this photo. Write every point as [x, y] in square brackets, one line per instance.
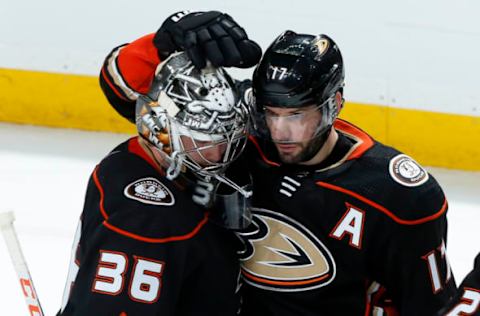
[407, 171]
[149, 191]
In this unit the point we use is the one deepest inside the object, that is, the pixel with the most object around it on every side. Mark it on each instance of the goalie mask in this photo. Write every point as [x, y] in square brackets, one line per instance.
[194, 118]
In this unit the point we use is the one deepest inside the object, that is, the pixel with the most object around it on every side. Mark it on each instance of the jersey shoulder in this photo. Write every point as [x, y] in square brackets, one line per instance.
[135, 199]
[395, 183]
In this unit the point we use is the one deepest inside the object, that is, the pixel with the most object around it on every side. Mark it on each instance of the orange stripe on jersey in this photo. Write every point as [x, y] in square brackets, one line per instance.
[364, 138]
[368, 307]
[277, 282]
[102, 194]
[254, 141]
[137, 62]
[383, 209]
[139, 237]
[112, 86]
[158, 240]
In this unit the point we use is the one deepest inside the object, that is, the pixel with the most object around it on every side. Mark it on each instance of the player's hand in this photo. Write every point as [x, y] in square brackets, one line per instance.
[211, 35]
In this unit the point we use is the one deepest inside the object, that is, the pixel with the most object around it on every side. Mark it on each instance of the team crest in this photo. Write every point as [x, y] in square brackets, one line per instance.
[149, 191]
[282, 255]
[407, 171]
[322, 45]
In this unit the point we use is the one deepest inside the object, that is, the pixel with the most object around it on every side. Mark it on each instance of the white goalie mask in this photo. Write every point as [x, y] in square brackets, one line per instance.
[195, 118]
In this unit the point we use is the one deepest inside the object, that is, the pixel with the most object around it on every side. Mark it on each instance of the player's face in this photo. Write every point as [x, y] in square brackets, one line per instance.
[203, 152]
[292, 130]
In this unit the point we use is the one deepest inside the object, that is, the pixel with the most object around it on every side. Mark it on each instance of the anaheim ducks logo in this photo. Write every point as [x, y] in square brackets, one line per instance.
[322, 45]
[149, 191]
[282, 255]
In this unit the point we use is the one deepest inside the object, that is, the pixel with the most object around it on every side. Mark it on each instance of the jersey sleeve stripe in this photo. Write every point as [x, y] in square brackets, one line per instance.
[158, 240]
[384, 210]
[122, 105]
[108, 77]
[102, 194]
[105, 77]
[111, 68]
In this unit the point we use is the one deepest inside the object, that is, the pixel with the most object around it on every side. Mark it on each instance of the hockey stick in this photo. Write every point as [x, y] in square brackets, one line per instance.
[13, 245]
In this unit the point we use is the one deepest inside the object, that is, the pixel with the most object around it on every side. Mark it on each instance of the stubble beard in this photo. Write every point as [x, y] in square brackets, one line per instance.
[294, 157]
[307, 151]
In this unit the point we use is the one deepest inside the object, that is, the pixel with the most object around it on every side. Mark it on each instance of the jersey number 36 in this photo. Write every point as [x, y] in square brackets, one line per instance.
[145, 281]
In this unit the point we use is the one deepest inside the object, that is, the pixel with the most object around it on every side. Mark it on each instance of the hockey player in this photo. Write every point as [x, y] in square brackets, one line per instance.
[467, 300]
[143, 245]
[342, 224]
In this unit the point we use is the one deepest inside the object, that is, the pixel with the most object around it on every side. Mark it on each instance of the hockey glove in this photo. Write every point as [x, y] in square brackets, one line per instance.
[211, 35]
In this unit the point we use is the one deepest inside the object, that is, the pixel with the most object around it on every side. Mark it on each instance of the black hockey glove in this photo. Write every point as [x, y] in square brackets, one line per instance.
[211, 35]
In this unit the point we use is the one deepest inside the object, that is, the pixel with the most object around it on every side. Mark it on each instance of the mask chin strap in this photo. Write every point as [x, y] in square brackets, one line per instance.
[233, 185]
[209, 174]
[231, 209]
[175, 166]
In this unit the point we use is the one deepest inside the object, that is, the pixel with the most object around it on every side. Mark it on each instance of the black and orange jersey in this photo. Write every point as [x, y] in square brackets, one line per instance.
[467, 300]
[143, 247]
[363, 234]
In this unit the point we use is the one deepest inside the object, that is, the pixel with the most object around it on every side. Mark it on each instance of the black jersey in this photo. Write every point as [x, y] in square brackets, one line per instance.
[362, 236]
[144, 248]
[467, 300]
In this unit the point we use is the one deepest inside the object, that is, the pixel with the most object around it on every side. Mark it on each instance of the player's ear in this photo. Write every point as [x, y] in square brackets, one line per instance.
[339, 100]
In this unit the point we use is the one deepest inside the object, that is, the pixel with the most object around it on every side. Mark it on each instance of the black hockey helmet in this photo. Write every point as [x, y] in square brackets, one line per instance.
[298, 70]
